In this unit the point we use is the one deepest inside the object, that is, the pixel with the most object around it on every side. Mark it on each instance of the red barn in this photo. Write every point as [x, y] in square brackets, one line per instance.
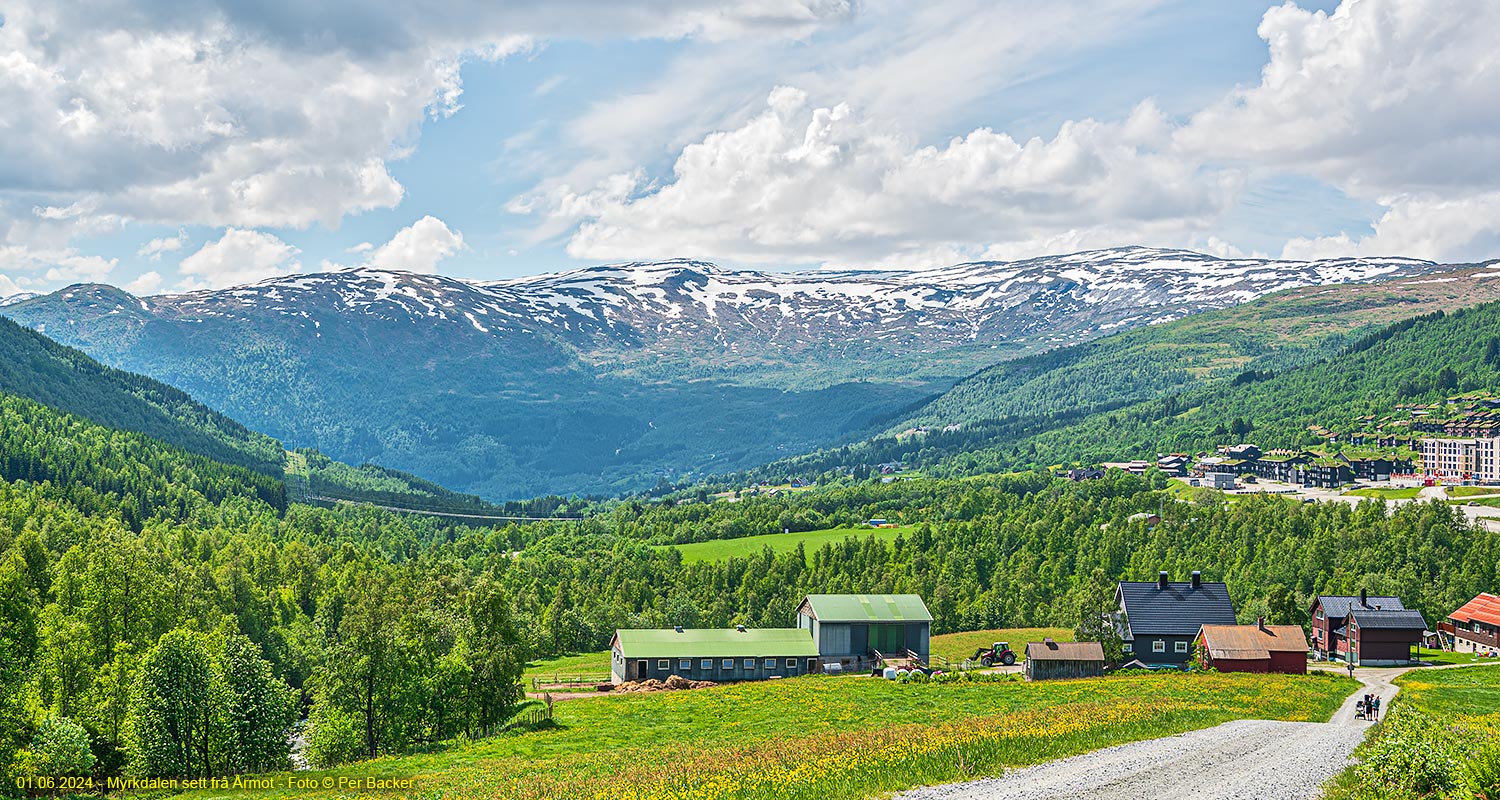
[1383, 637]
[1254, 648]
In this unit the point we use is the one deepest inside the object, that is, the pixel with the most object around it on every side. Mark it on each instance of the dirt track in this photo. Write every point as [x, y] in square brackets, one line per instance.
[1242, 759]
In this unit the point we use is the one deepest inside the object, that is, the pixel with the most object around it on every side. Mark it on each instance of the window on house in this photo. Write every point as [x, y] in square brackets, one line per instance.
[685, 665]
[1159, 646]
[727, 663]
[749, 663]
[1127, 648]
[770, 663]
[706, 663]
[1320, 613]
[791, 663]
[664, 663]
[1181, 647]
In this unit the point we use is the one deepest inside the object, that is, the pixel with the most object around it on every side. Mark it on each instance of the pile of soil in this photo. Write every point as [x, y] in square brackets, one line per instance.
[673, 683]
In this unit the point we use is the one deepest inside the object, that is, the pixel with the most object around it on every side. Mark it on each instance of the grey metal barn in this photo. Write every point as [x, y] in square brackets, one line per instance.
[855, 631]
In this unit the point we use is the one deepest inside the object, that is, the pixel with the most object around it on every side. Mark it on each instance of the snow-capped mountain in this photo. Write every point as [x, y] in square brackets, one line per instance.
[607, 377]
[672, 304]
[16, 298]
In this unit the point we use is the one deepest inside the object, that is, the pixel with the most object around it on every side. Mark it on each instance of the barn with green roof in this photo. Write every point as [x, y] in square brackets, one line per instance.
[859, 631]
[721, 655]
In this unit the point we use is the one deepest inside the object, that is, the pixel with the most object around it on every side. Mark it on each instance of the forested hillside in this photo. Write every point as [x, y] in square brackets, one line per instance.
[31, 365]
[1266, 371]
[165, 617]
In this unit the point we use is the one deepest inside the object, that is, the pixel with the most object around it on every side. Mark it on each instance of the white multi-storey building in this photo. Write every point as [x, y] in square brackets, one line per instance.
[1458, 459]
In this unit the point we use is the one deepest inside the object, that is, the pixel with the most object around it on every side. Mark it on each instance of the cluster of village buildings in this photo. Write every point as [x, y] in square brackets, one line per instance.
[1163, 624]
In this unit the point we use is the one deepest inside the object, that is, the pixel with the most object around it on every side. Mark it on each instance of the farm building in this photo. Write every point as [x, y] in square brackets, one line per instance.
[1254, 648]
[1383, 637]
[1047, 660]
[1475, 627]
[856, 631]
[729, 654]
[1330, 615]
[1161, 619]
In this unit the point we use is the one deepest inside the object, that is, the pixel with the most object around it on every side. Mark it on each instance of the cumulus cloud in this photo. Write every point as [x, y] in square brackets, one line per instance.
[35, 267]
[275, 114]
[145, 283]
[1392, 101]
[418, 247]
[155, 248]
[800, 184]
[239, 257]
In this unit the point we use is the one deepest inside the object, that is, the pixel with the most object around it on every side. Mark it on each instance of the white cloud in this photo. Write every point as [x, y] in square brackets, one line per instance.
[239, 257]
[275, 114]
[36, 267]
[1391, 101]
[419, 247]
[155, 248]
[145, 283]
[798, 184]
[8, 287]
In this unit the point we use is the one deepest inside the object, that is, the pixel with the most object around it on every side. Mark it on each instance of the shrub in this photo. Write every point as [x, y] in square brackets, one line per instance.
[1481, 775]
[60, 747]
[1412, 752]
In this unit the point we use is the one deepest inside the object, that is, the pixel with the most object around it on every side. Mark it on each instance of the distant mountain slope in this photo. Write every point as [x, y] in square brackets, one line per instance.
[1051, 405]
[33, 366]
[610, 378]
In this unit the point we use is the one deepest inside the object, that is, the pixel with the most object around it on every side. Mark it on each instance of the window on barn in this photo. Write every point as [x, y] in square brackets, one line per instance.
[707, 663]
[791, 663]
[1159, 646]
[685, 665]
[770, 663]
[664, 663]
[1180, 647]
[749, 663]
[727, 663]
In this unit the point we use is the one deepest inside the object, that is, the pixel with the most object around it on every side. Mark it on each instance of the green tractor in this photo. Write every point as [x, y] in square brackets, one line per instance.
[1000, 653]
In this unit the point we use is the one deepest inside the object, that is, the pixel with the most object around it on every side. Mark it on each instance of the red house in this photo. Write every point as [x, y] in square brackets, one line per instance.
[1476, 626]
[1253, 648]
[1330, 617]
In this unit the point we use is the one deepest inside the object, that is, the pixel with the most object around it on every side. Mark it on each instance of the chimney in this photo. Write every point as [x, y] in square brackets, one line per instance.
[1161, 579]
[677, 628]
[1050, 643]
[740, 628]
[1260, 622]
[1363, 601]
[1197, 579]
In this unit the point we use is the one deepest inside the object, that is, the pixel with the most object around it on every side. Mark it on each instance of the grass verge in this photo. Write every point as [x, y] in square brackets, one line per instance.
[834, 738]
[1441, 740]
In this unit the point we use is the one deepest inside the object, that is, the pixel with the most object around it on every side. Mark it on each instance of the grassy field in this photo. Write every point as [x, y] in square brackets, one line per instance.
[566, 666]
[1470, 491]
[1440, 739]
[830, 738]
[1407, 493]
[781, 542]
[958, 646]
[1444, 657]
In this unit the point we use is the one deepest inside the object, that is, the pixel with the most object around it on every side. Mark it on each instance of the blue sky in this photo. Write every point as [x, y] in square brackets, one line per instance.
[770, 134]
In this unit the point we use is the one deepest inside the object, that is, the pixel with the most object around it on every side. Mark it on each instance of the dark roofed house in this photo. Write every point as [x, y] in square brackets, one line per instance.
[1383, 637]
[1254, 648]
[1048, 659]
[1162, 618]
[1330, 615]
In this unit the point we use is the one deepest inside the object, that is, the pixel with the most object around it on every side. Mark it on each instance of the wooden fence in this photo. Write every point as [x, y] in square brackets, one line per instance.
[570, 680]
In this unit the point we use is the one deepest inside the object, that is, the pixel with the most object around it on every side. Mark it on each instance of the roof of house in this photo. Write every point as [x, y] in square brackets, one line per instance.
[1485, 608]
[1398, 620]
[1338, 606]
[867, 608]
[1251, 642]
[1177, 610]
[714, 642]
[1064, 651]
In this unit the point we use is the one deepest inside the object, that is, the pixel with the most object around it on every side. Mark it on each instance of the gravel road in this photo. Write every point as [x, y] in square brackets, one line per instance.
[1250, 759]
